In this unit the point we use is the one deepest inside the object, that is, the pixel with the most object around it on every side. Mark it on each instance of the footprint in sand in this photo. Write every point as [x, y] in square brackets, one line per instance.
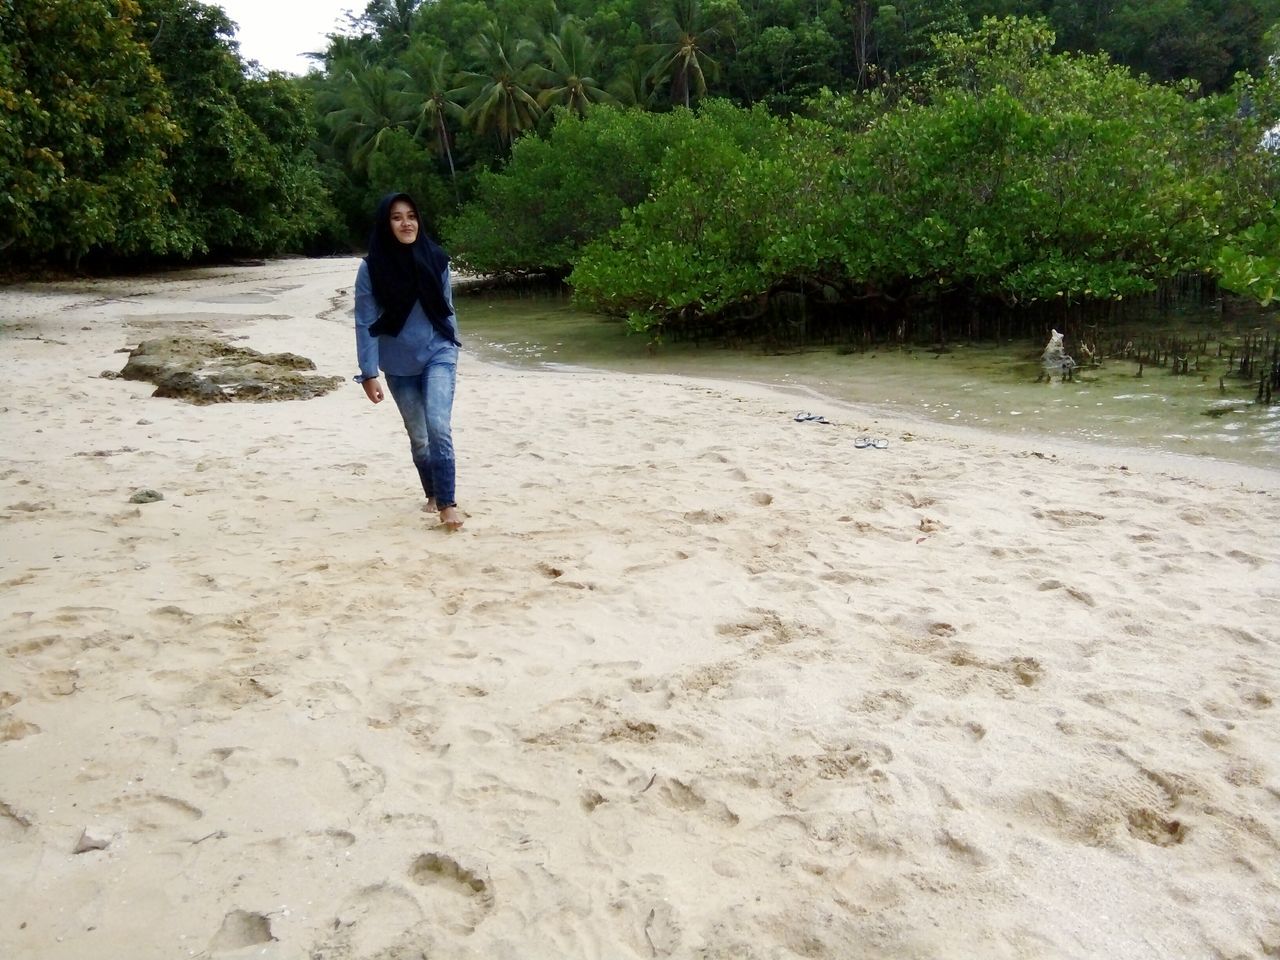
[364, 779]
[326, 698]
[14, 728]
[218, 692]
[209, 774]
[1027, 671]
[1143, 806]
[888, 705]
[708, 679]
[649, 921]
[1150, 826]
[1246, 558]
[154, 811]
[458, 897]
[377, 920]
[241, 929]
[1069, 518]
[14, 823]
[705, 517]
[681, 796]
[1072, 592]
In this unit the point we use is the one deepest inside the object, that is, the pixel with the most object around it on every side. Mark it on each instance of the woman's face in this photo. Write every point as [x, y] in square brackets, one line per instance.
[404, 221]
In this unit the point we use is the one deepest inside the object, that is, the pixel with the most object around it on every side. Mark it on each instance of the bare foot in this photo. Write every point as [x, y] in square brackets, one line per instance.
[451, 518]
[430, 505]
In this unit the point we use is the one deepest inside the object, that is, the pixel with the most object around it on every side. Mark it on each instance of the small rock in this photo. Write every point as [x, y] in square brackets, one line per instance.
[109, 375]
[89, 842]
[146, 495]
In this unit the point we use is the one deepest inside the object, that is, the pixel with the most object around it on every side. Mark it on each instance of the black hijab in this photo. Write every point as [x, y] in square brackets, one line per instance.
[402, 273]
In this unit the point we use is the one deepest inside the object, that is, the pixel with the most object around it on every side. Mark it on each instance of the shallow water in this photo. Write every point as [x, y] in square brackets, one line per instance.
[992, 386]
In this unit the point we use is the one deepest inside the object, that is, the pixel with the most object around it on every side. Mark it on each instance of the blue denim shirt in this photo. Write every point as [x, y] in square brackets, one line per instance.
[418, 344]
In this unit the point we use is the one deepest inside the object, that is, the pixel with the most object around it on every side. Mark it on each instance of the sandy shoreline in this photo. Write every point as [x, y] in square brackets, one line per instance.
[695, 681]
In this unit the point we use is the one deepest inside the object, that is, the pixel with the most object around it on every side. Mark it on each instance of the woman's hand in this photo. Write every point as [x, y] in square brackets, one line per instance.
[372, 390]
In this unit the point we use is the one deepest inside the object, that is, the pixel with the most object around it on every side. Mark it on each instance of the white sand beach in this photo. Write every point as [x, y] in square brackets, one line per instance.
[694, 681]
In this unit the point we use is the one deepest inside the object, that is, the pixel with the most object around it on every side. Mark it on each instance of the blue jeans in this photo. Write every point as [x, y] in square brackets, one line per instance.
[425, 402]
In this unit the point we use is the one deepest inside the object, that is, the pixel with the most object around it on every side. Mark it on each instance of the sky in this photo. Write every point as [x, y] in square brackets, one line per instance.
[277, 33]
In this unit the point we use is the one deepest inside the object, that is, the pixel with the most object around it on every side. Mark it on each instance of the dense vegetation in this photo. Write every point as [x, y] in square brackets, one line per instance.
[132, 129]
[679, 160]
[1018, 177]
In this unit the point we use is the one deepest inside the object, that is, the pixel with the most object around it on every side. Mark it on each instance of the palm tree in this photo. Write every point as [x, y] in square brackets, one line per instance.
[682, 55]
[632, 84]
[343, 53]
[434, 98]
[390, 21]
[573, 58]
[500, 92]
[374, 104]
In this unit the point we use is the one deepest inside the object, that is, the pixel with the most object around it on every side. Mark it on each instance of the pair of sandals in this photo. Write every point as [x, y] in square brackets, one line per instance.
[877, 443]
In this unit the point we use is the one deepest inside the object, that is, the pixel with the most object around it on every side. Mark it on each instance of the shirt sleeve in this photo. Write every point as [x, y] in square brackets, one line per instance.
[366, 314]
[447, 286]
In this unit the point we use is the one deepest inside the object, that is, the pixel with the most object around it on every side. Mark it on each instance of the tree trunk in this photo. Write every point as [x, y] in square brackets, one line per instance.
[862, 30]
[448, 153]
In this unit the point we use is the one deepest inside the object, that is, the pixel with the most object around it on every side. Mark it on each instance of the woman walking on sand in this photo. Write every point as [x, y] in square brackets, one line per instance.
[406, 326]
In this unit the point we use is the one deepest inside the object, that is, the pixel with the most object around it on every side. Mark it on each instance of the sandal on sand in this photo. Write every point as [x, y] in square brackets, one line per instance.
[880, 443]
[862, 442]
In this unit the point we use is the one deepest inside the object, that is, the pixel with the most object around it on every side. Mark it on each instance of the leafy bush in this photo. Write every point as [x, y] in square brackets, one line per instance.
[698, 243]
[1250, 261]
[135, 132]
[557, 194]
[1024, 177]
[85, 132]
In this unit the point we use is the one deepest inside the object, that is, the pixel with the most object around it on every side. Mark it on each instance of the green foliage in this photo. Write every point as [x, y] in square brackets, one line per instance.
[243, 174]
[700, 241]
[569, 80]
[1208, 41]
[1079, 182]
[1249, 263]
[374, 104]
[22, 184]
[956, 153]
[682, 55]
[132, 131]
[86, 130]
[653, 54]
[998, 53]
[282, 200]
[501, 90]
[389, 22]
[784, 66]
[903, 31]
[558, 193]
[401, 165]
[435, 104]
